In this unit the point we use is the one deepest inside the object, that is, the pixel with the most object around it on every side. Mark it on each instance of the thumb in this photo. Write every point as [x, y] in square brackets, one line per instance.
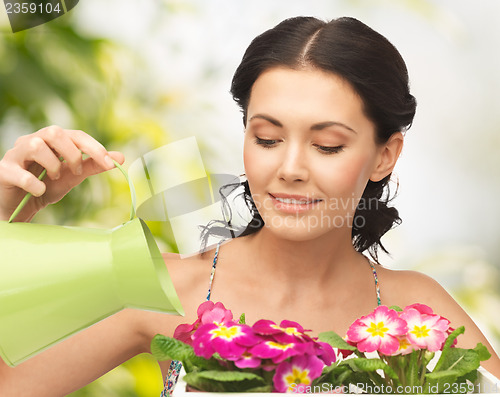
[92, 167]
[118, 157]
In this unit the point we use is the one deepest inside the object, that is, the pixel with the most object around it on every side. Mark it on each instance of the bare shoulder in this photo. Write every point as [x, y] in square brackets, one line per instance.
[190, 275]
[404, 287]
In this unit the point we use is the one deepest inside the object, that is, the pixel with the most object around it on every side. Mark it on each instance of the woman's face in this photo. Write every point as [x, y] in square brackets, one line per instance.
[309, 152]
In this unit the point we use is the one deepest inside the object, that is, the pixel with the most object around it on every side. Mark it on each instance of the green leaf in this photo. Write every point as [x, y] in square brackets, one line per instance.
[341, 374]
[482, 352]
[412, 372]
[395, 307]
[461, 360]
[166, 348]
[193, 379]
[437, 382]
[445, 374]
[242, 319]
[471, 377]
[456, 366]
[371, 366]
[335, 374]
[335, 340]
[358, 378]
[374, 364]
[226, 381]
[447, 346]
[260, 389]
[428, 356]
[230, 376]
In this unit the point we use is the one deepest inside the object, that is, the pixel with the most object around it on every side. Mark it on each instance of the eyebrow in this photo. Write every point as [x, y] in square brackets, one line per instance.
[315, 127]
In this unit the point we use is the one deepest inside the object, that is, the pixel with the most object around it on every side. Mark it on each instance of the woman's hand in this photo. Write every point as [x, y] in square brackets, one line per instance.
[21, 165]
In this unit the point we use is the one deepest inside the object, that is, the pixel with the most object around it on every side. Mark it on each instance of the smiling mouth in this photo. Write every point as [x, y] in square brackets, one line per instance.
[293, 201]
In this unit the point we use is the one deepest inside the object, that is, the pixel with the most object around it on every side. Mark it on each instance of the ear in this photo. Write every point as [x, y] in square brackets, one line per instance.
[387, 157]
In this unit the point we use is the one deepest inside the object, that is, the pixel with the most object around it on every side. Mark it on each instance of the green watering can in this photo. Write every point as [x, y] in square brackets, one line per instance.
[58, 280]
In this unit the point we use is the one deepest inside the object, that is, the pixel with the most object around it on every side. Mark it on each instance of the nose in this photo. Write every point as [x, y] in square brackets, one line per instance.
[294, 165]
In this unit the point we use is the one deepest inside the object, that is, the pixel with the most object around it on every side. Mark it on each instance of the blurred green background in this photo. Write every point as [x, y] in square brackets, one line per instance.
[137, 75]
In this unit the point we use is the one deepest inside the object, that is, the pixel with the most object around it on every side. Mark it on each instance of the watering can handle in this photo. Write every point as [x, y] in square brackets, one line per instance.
[44, 172]
[131, 187]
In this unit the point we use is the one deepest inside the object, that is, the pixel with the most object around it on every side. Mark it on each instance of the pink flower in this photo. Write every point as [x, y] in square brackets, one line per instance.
[299, 371]
[208, 312]
[325, 352]
[286, 332]
[427, 331]
[345, 352]
[247, 360]
[378, 331]
[455, 341]
[421, 308]
[230, 340]
[279, 352]
[286, 340]
[184, 332]
[405, 346]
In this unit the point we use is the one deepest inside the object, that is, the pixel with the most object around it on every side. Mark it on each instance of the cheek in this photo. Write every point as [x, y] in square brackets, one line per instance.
[348, 178]
[250, 161]
[256, 166]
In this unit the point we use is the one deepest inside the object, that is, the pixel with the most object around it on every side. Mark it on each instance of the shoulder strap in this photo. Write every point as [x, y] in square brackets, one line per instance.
[175, 366]
[212, 273]
[377, 287]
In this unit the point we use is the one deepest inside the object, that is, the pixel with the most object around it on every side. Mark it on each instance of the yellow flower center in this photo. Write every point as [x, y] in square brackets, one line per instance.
[377, 329]
[287, 330]
[403, 344]
[280, 346]
[420, 332]
[224, 332]
[297, 377]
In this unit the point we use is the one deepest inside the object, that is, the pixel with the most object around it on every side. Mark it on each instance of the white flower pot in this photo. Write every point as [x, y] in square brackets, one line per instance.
[486, 384]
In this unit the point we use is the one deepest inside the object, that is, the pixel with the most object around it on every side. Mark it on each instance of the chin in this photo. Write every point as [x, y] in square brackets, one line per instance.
[298, 233]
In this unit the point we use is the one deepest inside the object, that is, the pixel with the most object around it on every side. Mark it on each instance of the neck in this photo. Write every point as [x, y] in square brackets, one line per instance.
[309, 263]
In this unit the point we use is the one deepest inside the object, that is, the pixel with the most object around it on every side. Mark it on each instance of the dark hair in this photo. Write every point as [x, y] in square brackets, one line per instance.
[375, 70]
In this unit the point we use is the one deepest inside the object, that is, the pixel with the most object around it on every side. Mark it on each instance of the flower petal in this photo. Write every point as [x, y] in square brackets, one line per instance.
[300, 370]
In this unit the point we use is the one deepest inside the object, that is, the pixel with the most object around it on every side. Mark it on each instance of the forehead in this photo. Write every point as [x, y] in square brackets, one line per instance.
[307, 94]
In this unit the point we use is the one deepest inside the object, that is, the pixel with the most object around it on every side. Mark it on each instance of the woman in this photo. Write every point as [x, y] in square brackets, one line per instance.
[324, 106]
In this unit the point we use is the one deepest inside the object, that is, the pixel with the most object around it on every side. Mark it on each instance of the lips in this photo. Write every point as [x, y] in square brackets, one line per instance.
[293, 199]
[293, 203]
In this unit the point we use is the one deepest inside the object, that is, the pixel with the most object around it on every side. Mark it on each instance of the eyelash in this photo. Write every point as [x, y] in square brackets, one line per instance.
[269, 143]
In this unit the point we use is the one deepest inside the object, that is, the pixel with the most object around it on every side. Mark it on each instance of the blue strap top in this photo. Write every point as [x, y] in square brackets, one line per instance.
[176, 366]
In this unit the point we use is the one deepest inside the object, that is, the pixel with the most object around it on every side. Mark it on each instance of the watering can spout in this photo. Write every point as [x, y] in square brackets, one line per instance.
[143, 287]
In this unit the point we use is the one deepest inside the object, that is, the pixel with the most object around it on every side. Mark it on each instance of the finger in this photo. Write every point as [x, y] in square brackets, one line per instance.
[17, 176]
[118, 157]
[91, 167]
[59, 140]
[37, 151]
[92, 148]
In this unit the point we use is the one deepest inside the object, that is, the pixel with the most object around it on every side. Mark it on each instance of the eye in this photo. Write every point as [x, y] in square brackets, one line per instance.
[267, 143]
[329, 149]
